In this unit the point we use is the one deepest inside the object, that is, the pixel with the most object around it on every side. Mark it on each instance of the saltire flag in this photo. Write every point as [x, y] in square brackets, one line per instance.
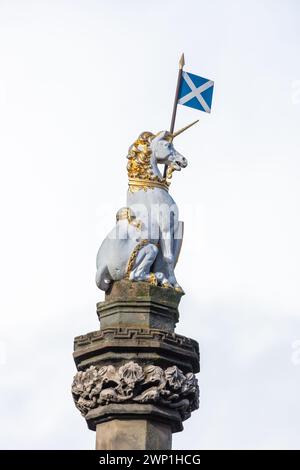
[196, 92]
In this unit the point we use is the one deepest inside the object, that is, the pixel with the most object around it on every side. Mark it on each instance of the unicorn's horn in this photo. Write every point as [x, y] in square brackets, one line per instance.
[175, 134]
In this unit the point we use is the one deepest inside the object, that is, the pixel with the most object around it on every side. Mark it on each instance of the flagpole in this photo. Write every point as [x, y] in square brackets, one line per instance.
[181, 65]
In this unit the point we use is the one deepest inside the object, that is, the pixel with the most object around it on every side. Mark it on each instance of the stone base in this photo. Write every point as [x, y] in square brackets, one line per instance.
[139, 305]
[136, 381]
[134, 434]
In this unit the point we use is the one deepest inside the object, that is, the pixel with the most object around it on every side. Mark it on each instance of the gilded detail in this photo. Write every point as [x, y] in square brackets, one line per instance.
[133, 256]
[139, 168]
[126, 214]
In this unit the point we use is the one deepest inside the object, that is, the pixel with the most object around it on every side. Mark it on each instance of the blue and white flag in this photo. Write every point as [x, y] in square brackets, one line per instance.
[196, 92]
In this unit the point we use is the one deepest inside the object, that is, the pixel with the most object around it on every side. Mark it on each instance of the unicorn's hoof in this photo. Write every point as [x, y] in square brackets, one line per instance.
[179, 289]
[166, 284]
[162, 280]
[159, 276]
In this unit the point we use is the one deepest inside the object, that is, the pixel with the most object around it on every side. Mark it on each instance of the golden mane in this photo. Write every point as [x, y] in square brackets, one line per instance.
[139, 154]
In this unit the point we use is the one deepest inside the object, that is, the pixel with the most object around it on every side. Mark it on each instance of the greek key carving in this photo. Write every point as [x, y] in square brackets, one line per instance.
[136, 333]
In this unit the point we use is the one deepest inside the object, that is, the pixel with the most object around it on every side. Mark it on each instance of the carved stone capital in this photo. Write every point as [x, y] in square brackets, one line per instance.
[169, 388]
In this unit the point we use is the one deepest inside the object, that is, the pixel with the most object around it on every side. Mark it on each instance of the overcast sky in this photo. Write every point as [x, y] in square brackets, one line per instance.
[79, 80]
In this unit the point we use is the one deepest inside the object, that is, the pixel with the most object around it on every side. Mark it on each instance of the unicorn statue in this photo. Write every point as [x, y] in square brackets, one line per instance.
[145, 243]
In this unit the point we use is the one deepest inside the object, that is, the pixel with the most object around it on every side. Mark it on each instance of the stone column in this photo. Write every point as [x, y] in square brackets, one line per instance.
[138, 434]
[135, 383]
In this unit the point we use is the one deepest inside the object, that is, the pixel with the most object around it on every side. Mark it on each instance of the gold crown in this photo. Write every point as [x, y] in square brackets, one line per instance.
[135, 184]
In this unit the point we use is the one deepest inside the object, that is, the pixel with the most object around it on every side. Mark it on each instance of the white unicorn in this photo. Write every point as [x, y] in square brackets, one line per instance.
[145, 243]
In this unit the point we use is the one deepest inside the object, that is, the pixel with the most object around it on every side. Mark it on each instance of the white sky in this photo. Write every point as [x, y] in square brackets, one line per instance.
[79, 80]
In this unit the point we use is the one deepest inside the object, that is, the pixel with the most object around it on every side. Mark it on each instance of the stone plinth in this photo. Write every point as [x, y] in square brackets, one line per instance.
[139, 305]
[135, 383]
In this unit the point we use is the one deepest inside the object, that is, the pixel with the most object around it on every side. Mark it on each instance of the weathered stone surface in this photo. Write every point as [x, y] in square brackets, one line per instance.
[132, 411]
[137, 434]
[135, 382]
[139, 305]
[118, 345]
[131, 290]
[132, 383]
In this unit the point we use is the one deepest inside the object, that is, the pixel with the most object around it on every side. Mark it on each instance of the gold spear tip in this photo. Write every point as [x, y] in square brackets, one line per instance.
[175, 134]
[181, 61]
